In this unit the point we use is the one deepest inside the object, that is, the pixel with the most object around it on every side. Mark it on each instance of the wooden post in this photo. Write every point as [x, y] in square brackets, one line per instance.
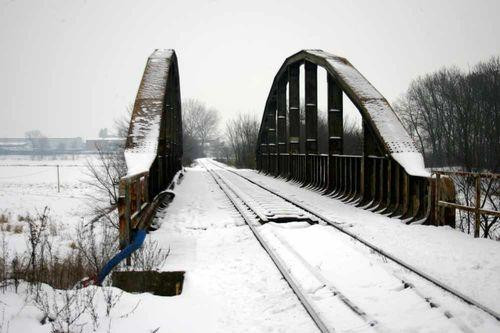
[436, 205]
[477, 214]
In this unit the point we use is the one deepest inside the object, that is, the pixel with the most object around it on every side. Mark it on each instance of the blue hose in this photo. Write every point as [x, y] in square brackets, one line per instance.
[137, 241]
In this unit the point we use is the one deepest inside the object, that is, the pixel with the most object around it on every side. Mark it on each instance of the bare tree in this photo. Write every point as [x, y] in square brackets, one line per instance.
[103, 133]
[242, 133]
[352, 137]
[413, 120]
[455, 116]
[104, 174]
[199, 125]
[122, 123]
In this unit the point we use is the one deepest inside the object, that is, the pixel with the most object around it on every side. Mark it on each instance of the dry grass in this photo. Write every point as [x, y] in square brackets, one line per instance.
[4, 218]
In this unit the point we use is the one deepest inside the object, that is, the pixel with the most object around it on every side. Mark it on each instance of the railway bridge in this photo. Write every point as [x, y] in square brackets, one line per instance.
[389, 177]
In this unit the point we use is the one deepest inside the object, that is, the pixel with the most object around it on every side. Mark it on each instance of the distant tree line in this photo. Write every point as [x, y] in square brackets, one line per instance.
[455, 116]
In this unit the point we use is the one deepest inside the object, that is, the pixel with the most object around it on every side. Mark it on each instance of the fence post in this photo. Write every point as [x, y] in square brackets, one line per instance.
[436, 205]
[478, 203]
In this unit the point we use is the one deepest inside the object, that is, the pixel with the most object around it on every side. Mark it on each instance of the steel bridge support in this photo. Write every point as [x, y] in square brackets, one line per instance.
[153, 150]
[388, 178]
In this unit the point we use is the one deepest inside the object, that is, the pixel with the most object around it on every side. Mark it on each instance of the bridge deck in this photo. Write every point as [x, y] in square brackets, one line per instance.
[231, 285]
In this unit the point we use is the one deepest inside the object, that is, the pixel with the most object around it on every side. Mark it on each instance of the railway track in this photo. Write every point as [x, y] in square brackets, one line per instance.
[261, 207]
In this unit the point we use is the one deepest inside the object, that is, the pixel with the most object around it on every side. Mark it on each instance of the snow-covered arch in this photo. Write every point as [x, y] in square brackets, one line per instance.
[153, 149]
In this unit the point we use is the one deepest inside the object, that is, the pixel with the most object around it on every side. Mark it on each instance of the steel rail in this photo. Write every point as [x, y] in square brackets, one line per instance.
[375, 248]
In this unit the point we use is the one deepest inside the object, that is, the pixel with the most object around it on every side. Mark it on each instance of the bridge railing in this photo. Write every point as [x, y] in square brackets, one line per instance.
[478, 208]
[374, 183]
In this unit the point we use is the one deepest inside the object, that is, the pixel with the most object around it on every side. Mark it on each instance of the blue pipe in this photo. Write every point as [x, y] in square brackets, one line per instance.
[137, 241]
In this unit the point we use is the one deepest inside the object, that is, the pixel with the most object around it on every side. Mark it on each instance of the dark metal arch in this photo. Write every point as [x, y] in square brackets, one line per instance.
[153, 149]
[389, 178]
[155, 130]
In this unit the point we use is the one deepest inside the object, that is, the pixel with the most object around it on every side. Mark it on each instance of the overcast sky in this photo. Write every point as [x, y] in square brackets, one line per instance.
[69, 67]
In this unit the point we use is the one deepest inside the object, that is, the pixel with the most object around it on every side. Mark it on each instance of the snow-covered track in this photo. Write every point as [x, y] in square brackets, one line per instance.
[376, 249]
[269, 208]
[253, 220]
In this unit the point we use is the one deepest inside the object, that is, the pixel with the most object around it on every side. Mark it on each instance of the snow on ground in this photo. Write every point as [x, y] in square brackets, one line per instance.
[231, 285]
[28, 185]
[469, 265]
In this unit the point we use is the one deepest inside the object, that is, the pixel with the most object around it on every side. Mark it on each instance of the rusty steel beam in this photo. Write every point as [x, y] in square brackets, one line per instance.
[294, 107]
[281, 127]
[335, 117]
[311, 117]
[272, 138]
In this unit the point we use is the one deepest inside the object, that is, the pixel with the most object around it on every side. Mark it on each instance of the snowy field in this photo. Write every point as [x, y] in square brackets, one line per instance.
[29, 185]
[231, 285]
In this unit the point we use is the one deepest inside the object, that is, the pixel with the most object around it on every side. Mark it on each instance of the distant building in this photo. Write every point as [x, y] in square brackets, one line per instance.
[60, 145]
[104, 144]
[12, 145]
[48, 146]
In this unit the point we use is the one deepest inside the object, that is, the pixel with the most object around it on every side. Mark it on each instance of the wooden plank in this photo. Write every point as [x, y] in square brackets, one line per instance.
[469, 208]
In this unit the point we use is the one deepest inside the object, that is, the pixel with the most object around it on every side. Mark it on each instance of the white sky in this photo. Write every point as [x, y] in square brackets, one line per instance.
[69, 68]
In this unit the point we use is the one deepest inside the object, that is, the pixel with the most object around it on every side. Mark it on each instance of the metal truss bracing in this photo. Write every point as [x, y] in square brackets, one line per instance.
[153, 150]
[389, 177]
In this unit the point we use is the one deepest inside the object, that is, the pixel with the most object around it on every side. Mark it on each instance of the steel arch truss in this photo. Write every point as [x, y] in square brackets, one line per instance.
[153, 150]
[389, 177]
